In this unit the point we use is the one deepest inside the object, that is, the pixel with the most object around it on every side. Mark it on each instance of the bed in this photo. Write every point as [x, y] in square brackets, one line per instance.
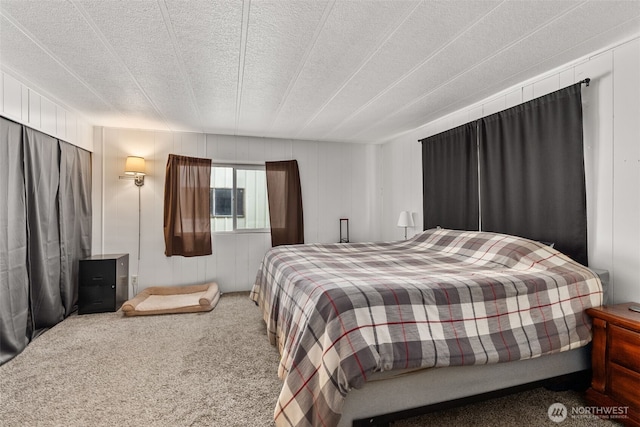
[343, 314]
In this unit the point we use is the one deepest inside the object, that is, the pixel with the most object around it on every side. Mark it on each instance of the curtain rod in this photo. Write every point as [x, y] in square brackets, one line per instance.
[585, 82]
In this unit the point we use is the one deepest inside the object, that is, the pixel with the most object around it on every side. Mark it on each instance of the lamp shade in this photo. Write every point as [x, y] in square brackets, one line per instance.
[405, 220]
[134, 166]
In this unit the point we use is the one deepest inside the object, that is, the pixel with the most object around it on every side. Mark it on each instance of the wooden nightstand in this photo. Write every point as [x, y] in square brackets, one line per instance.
[616, 361]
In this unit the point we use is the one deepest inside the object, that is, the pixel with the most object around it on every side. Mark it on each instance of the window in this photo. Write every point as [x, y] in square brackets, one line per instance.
[221, 202]
[239, 198]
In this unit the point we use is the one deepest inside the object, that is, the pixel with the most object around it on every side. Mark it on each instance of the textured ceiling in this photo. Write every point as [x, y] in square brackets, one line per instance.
[361, 71]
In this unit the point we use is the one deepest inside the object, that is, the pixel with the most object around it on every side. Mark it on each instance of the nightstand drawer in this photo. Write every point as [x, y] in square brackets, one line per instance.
[624, 347]
[624, 385]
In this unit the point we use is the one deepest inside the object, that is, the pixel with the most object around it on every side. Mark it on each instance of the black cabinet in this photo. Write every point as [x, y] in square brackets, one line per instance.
[104, 283]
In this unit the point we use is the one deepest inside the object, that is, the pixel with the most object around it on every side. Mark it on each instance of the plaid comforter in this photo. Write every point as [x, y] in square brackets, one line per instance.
[340, 312]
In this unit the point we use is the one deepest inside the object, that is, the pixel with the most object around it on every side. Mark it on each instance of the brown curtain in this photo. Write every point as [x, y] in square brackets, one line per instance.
[187, 222]
[285, 203]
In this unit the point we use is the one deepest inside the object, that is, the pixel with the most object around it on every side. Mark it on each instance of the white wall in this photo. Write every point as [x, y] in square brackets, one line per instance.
[611, 108]
[338, 180]
[24, 105]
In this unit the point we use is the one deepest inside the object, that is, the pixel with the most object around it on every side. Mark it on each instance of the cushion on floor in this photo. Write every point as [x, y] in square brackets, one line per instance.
[173, 299]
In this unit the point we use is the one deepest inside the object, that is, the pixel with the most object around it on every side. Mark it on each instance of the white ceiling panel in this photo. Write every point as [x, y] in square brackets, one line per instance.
[334, 70]
[138, 37]
[44, 70]
[412, 42]
[351, 33]
[279, 41]
[528, 57]
[475, 45]
[209, 36]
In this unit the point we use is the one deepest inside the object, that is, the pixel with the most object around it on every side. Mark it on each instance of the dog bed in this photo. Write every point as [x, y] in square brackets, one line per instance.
[173, 299]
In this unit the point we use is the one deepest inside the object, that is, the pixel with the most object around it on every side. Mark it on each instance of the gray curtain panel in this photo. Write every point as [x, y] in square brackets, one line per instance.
[14, 279]
[74, 206]
[42, 176]
[450, 179]
[532, 172]
[45, 229]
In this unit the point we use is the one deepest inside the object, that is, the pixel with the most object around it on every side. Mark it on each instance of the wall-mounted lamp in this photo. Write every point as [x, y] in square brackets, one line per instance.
[405, 220]
[134, 169]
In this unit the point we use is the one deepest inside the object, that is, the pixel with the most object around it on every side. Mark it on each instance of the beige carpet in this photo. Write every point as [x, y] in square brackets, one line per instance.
[199, 369]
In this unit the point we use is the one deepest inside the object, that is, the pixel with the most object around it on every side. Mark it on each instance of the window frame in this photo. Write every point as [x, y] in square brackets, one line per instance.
[235, 166]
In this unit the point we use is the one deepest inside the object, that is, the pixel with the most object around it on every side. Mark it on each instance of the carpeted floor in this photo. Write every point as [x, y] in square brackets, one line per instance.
[201, 369]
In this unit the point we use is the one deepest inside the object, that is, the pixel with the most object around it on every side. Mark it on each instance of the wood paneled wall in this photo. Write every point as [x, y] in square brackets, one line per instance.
[27, 106]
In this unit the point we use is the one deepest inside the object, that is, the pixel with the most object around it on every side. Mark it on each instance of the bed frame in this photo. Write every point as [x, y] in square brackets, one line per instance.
[378, 403]
[388, 398]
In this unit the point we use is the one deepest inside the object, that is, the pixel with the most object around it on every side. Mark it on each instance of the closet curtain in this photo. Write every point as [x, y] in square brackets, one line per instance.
[74, 206]
[14, 277]
[285, 203]
[45, 229]
[532, 172]
[42, 175]
[450, 179]
[187, 218]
